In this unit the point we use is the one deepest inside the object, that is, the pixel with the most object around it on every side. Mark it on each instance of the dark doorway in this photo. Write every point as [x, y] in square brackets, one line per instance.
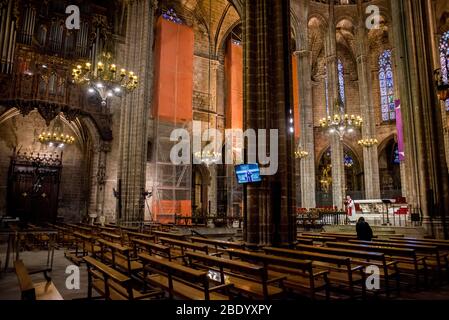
[33, 187]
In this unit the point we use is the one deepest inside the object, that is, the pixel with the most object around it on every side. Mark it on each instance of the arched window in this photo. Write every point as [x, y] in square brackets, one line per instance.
[341, 82]
[444, 59]
[386, 82]
[171, 15]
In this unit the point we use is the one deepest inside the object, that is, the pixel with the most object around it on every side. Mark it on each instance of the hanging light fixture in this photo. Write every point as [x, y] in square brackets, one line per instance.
[55, 136]
[209, 157]
[105, 79]
[341, 123]
[368, 143]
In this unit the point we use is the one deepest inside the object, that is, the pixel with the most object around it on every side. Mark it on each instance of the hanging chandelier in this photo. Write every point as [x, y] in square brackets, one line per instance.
[55, 137]
[368, 143]
[105, 79]
[301, 154]
[208, 157]
[341, 124]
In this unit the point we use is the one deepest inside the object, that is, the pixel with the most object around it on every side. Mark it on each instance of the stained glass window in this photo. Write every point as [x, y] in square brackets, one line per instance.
[386, 82]
[171, 15]
[348, 161]
[341, 82]
[444, 59]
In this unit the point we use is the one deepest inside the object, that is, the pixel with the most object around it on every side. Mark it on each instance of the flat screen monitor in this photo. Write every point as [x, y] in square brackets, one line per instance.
[248, 173]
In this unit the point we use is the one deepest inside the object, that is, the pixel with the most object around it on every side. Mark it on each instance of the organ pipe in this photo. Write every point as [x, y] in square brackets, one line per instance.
[7, 37]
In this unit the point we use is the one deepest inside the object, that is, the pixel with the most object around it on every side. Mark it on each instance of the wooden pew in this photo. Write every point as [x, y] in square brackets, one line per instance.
[408, 261]
[84, 245]
[183, 246]
[180, 281]
[170, 235]
[389, 270]
[316, 238]
[151, 248]
[435, 259]
[218, 243]
[112, 237]
[248, 279]
[299, 274]
[341, 271]
[31, 291]
[119, 256]
[143, 236]
[111, 284]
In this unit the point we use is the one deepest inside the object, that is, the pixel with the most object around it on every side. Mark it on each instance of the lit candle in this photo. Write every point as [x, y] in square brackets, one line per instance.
[123, 72]
[100, 66]
[113, 68]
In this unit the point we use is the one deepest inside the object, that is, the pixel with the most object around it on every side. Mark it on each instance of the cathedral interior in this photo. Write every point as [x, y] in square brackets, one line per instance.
[96, 95]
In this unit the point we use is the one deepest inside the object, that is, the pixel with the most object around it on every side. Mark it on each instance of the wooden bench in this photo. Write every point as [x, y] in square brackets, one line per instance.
[388, 269]
[143, 236]
[183, 246]
[112, 237]
[119, 256]
[169, 235]
[218, 243]
[342, 274]
[247, 279]
[408, 261]
[300, 277]
[31, 291]
[84, 245]
[180, 281]
[151, 248]
[111, 284]
[435, 258]
[316, 238]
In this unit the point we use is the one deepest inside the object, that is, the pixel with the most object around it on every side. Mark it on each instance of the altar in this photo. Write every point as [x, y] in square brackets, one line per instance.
[383, 212]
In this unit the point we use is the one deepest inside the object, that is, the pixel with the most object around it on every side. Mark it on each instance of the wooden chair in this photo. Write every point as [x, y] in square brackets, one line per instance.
[31, 291]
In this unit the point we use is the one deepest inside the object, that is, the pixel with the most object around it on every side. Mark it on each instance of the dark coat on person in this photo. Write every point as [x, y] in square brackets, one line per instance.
[364, 231]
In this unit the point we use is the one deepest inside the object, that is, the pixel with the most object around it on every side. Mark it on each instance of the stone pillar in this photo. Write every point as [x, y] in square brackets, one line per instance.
[421, 111]
[135, 109]
[337, 154]
[307, 143]
[269, 215]
[99, 177]
[212, 186]
[370, 156]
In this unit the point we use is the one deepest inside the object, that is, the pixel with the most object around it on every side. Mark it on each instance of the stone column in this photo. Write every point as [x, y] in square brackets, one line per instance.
[135, 109]
[307, 143]
[421, 110]
[269, 215]
[212, 194]
[337, 154]
[370, 156]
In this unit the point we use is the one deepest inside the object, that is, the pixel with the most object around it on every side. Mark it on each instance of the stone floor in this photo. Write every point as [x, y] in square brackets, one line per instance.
[9, 289]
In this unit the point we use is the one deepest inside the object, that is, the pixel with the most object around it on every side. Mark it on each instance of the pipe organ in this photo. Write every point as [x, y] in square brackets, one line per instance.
[8, 33]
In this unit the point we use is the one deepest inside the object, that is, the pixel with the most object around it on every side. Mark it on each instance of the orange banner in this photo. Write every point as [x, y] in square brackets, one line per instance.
[173, 92]
[296, 97]
[234, 81]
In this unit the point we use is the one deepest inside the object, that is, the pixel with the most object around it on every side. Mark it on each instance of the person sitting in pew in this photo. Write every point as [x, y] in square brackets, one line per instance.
[364, 231]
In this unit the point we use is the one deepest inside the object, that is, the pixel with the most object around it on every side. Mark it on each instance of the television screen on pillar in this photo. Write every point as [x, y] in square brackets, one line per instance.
[248, 173]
